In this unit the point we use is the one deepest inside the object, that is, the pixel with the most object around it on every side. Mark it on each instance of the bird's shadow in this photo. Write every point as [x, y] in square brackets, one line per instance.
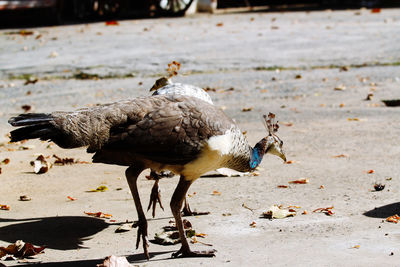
[384, 211]
[62, 233]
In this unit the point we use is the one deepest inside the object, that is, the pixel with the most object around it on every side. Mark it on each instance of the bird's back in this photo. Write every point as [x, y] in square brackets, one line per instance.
[184, 89]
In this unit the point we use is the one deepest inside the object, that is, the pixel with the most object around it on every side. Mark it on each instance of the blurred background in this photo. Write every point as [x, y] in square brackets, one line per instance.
[55, 12]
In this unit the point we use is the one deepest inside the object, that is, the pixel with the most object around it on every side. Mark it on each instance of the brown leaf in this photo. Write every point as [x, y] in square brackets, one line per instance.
[6, 161]
[282, 186]
[247, 109]
[370, 171]
[341, 156]
[26, 108]
[21, 249]
[24, 198]
[326, 211]
[216, 193]
[298, 76]
[300, 181]
[71, 198]
[253, 224]
[376, 10]
[393, 219]
[99, 214]
[220, 24]
[4, 207]
[112, 23]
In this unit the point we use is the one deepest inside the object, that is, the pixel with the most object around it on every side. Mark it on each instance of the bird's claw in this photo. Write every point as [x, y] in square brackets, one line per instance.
[142, 233]
[155, 197]
[187, 253]
[186, 211]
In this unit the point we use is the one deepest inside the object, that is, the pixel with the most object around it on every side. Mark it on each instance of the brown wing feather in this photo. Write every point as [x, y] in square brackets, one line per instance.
[172, 133]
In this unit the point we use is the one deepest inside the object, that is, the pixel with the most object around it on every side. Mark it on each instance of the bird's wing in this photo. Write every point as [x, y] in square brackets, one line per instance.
[173, 132]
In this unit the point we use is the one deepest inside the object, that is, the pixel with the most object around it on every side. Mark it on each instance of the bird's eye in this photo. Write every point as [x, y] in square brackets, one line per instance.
[281, 143]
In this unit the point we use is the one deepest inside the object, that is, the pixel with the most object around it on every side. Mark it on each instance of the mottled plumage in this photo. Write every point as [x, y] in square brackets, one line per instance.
[179, 133]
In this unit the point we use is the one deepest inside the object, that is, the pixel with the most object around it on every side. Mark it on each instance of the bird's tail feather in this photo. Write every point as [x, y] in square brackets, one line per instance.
[35, 125]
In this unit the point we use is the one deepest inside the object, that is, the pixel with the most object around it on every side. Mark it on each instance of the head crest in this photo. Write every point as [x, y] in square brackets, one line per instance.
[270, 124]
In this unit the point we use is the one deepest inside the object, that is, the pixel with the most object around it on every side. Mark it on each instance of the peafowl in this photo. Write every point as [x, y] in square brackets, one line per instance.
[165, 86]
[182, 134]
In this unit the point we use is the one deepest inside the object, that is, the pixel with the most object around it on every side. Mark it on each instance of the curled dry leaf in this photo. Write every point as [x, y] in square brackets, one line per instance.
[341, 156]
[298, 76]
[24, 198]
[275, 212]
[304, 212]
[173, 68]
[4, 207]
[282, 186]
[114, 261]
[26, 108]
[370, 171]
[5, 161]
[340, 88]
[379, 187]
[393, 219]
[40, 165]
[321, 187]
[220, 24]
[247, 109]
[216, 193]
[326, 211]
[101, 188]
[20, 249]
[300, 181]
[253, 224]
[71, 198]
[112, 23]
[99, 214]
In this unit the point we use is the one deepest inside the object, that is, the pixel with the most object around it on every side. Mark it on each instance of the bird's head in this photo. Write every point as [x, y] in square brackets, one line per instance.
[160, 83]
[273, 143]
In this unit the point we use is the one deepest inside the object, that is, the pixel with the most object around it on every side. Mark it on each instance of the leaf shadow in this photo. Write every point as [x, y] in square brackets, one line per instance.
[384, 211]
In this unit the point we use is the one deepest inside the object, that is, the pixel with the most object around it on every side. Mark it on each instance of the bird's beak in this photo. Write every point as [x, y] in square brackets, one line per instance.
[283, 157]
[153, 88]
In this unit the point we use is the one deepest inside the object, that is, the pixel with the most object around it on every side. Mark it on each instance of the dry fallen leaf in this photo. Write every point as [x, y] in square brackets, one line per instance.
[282, 186]
[5, 161]
[220, 24]
[288, 124]
[101, 188]
[379, 187]
[298, 76]
[24, 198]
[300, 181]
[393, 219]
[341, 156]
[71, 198]
[4, 207]
[370, 171]
[26, 108]
[356, 246]
[99, 214]
[247, 109]
[40, 165]
[304, 212]
[253, 224]
[340, 88]
[111, 23]
[216, 193]
[321, 187]
[115, 261]
[275, 212]
[327, 211]
[21, 249]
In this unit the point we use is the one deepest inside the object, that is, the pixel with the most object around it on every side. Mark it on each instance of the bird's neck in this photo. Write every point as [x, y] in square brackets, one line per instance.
[257, 154]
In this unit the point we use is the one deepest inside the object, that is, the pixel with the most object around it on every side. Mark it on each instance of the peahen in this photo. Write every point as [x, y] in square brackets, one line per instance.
[165, 86]
[182, 134]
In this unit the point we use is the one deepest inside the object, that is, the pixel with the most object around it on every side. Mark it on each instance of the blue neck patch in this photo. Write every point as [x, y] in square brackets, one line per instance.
[255, 158]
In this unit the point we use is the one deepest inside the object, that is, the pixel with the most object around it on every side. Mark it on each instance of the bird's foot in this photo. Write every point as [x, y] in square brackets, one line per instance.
[186, 211]
[142, 233]
[155, 197]
[187, 253]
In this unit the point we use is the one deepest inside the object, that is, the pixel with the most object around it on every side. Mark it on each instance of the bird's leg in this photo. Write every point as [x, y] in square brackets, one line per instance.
[155, 195]
[186, 211]
[132, 173]
[176, 205]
